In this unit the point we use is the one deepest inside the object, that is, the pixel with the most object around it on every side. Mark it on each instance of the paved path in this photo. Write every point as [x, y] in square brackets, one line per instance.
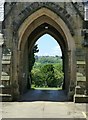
[45, 95]
[43, 104]
[43, 110]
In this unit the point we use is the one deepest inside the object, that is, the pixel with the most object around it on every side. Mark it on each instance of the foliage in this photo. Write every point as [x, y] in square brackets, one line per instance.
[31, 63]
[47, 74]
[59, 75]
[32, 57]
[37, 80]
[47, 59]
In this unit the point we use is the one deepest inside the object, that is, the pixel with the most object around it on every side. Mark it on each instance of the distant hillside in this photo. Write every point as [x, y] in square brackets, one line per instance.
[47, 59]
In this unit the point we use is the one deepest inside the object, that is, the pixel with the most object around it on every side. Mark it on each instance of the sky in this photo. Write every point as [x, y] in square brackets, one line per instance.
[48, 46]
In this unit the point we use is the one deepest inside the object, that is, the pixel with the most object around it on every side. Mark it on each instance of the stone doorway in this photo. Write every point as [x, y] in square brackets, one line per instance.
[33, 28]
[54, 94]
[66, 24]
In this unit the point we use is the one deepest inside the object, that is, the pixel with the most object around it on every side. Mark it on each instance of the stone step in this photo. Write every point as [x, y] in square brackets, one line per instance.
[5, 90]
[81, 83]
[80, 98]
[5, 79]
[80, 90]
[5, 98]
[5, 93]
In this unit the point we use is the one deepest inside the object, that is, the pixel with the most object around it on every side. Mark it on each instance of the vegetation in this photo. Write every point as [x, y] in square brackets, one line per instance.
[31, 63]
[32, 57]
[47, 59]
[47, 71]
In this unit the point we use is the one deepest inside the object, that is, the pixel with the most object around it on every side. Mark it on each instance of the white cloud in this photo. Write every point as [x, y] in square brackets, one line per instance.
[57, 51]
[53, 52]
[42, 54]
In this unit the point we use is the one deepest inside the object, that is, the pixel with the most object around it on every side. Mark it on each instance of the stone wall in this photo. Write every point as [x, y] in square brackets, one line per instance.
[16, 13]
[72, 15]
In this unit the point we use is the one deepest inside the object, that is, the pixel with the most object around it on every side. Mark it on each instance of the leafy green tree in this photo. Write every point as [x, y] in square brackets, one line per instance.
[59, 75]
[37, 80]
[48, 75]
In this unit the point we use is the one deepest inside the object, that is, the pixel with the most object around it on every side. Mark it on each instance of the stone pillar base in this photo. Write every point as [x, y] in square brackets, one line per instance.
[5, 98]
[81, 98]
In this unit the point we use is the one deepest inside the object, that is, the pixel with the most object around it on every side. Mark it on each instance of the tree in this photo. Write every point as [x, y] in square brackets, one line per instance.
[48, 74]
[32, 57]
[37, 79]
[59, 75]
[31, 63]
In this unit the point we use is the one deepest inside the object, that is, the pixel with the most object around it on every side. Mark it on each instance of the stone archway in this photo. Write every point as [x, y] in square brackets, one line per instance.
[30, 30]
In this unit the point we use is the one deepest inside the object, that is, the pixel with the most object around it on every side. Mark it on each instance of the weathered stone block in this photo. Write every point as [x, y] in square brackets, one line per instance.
[5, 97]
[5, 90]
[79, 90]
[64, 20]
[81, 98]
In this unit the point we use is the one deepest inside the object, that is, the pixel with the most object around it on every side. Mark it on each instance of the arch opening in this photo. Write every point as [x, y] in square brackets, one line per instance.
[44, 24]
[39, 32]
[47, 53]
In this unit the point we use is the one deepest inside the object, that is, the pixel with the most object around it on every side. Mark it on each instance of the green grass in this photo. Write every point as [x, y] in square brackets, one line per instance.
[46, 88]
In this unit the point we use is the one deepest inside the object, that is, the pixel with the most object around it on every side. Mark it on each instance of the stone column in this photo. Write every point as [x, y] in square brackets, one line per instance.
[86, 41]
[87, 69]
[82, 90]
[86, 53]
[86, 57]
[1, 42]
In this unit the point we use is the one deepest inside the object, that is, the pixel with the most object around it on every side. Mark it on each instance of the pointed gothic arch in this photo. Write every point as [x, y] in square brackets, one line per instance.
[30, 30]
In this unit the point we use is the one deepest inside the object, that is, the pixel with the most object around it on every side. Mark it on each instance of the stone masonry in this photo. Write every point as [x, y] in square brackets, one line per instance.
[23, 24]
